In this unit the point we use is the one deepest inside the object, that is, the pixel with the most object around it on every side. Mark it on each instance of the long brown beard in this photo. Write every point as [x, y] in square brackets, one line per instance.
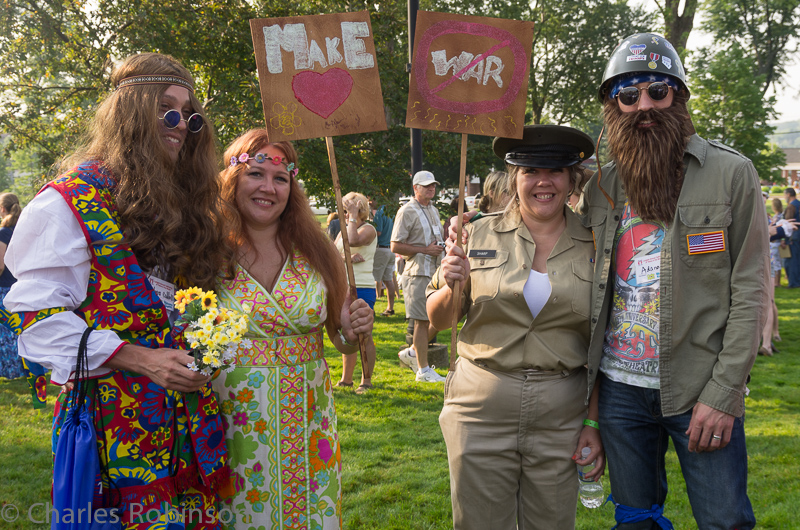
[650, 160]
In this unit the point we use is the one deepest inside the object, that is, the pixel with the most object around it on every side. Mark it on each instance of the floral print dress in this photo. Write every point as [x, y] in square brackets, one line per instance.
[277, 406]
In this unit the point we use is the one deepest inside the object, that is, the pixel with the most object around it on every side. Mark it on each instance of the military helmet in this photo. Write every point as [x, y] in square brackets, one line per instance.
[643, 52]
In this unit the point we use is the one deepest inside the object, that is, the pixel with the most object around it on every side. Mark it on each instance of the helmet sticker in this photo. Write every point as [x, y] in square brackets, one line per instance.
[636, 49]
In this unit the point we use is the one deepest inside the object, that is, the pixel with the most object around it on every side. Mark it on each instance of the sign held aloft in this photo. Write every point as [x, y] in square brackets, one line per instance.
[318, 75]
[469, 74]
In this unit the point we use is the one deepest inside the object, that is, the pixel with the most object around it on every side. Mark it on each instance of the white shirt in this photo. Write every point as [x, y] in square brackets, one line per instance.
[50, 257]
[537, 291]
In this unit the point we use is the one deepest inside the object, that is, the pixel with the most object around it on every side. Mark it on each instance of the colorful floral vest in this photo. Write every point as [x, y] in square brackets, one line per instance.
[120, 298]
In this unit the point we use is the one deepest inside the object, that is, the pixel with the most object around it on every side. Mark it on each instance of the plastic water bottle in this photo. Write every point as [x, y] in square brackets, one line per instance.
[591, 492]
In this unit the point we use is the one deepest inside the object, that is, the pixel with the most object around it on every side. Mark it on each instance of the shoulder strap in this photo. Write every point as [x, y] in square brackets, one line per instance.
[80, 388]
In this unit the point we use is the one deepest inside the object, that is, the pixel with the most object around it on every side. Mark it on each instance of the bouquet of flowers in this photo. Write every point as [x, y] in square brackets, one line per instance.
[213, 333]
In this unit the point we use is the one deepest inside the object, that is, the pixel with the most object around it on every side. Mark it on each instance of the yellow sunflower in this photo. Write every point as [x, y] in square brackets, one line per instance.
[181, 297]
[193, 293]
[209, 300]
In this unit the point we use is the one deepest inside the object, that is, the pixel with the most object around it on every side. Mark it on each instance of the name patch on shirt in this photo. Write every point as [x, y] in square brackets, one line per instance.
[706, 242]
[648, 268]
[477, 253]
[164, 290]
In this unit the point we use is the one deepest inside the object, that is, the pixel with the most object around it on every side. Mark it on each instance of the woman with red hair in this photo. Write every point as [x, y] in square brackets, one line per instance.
[278, 403]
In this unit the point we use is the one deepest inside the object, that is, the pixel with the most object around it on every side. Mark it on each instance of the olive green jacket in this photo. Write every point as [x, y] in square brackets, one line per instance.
[711, 305]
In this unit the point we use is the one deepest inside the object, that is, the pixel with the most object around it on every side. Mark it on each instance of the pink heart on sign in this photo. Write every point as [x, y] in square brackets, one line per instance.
[322, 94]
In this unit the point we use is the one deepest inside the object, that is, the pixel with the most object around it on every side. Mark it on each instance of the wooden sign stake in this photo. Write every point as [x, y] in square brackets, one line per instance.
[362, 345]
[462, 184]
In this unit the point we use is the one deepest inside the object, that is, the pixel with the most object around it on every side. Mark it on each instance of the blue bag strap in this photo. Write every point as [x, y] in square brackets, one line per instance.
[77, 396]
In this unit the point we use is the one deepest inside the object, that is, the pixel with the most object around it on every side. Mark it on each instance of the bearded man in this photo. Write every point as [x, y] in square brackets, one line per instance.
[679, 287]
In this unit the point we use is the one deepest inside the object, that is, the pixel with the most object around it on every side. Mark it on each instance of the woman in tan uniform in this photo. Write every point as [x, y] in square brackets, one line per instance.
[515, 406]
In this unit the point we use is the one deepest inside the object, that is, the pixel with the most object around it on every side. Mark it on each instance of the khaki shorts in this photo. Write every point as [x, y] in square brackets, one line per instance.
[383, 265]
[414, 296]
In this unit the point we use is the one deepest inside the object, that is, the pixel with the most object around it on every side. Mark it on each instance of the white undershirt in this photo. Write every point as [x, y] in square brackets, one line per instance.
[49, 257]
[537, 291]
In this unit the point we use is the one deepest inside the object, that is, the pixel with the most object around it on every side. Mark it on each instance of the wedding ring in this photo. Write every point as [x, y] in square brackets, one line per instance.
[717, 437]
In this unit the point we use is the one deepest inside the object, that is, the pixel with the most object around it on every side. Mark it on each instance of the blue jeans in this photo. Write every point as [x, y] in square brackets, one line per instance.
[636, 436]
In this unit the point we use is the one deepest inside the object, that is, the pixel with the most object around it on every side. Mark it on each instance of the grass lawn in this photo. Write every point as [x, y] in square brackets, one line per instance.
[394, 458]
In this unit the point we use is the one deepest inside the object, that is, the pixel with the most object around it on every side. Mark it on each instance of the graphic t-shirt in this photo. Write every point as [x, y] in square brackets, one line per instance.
[630, 351]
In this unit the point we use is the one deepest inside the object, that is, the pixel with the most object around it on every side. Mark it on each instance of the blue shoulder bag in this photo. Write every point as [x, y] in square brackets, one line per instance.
[76, 466]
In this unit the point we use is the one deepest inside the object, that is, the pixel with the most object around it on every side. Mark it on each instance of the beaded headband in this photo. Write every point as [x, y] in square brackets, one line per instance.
[261, 158]
[157, 80]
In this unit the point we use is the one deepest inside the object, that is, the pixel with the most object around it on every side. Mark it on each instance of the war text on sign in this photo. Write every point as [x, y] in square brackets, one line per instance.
[481, 71]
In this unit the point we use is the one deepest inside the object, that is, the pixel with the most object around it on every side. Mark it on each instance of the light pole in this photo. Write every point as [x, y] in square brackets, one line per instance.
[416, 134]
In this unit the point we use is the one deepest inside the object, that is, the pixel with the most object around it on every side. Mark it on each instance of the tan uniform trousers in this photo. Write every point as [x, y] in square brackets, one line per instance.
[510, 439]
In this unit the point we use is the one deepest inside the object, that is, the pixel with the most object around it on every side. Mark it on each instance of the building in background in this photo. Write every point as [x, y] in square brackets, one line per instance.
[790, 171]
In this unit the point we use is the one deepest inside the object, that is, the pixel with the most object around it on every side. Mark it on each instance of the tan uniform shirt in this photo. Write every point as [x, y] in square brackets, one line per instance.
[500, 330]
[419, 226]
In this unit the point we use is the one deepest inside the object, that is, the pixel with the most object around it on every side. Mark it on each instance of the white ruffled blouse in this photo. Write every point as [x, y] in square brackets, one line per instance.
[50, 258]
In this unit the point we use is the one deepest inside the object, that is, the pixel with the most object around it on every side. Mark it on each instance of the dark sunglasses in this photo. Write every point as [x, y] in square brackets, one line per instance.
[630, 94]
[172, 118]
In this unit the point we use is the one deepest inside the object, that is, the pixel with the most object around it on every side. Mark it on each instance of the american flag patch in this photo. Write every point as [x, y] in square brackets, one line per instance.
[708, 242]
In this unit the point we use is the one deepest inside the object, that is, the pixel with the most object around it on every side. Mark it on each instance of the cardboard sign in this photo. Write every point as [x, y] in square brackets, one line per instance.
[469, 74]
[318, 75]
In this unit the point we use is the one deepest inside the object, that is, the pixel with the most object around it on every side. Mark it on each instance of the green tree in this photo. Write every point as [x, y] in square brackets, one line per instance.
[726, 109]
[55, 57]
[28, 175]
[5, 172]
[678, 24]
[768, 29]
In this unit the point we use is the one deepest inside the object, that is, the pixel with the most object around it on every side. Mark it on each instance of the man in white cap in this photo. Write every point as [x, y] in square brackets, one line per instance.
[417, 235]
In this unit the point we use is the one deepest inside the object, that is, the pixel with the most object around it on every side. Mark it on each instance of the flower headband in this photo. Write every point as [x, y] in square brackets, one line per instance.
[261, 158]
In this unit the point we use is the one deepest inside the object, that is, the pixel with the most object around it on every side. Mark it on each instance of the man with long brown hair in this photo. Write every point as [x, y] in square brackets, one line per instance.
[98, 254]
[679, 286]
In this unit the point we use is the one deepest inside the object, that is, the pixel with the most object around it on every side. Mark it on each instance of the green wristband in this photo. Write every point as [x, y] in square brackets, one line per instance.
[591, 423]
